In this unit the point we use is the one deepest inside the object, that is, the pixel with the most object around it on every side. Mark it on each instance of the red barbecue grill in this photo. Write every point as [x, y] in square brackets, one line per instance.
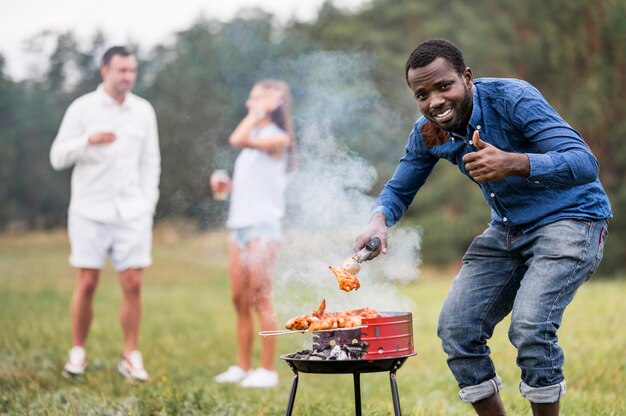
[381, 344]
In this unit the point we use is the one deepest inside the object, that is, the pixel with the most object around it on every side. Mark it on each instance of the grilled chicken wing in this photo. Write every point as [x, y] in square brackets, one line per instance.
[347, 281]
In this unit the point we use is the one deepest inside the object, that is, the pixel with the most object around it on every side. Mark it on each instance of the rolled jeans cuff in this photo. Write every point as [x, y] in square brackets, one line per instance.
[548, 394]
[472, 394]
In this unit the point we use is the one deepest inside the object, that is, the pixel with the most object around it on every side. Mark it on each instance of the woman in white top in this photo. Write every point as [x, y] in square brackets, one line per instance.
[257, 207]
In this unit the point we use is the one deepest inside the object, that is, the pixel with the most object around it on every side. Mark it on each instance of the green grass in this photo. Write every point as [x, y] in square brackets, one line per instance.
[188, 334]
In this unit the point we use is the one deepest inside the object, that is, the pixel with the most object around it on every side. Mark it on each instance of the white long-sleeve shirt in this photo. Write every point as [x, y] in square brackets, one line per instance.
[112, 181]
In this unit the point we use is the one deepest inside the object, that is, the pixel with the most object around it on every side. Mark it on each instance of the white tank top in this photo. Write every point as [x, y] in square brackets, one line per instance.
[258, 185]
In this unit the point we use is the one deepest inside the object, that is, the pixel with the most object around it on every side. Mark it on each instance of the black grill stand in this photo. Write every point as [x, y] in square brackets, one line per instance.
[356, 367]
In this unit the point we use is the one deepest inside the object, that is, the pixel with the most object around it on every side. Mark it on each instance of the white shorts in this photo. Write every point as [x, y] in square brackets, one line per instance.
[128, 243]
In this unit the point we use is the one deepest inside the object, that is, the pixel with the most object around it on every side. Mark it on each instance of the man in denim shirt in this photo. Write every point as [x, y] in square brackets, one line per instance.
[548, 220]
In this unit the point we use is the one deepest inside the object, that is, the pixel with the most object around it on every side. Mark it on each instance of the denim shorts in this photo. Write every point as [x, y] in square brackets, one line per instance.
[533, 276]
[264, 232]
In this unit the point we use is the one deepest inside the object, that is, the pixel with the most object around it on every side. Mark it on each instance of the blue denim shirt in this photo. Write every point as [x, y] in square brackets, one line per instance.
[513, 116]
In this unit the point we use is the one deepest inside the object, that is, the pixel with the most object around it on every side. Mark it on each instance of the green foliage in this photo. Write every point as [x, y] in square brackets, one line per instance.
[346, 71]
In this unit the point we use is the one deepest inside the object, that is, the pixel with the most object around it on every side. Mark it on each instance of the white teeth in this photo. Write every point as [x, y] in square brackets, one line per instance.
[444, 114]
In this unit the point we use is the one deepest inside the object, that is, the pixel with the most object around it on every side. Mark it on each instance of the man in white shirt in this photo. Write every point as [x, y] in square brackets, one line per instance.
[110, 138]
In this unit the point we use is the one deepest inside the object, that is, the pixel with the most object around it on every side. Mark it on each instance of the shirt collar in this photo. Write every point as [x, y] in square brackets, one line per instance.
[110, 101]
[476, 119]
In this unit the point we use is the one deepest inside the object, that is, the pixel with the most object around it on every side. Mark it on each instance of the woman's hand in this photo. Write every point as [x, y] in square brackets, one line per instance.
[260, 104]
[265, 104]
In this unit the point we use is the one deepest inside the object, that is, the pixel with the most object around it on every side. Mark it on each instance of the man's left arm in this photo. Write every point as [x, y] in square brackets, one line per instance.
[562, 158]
[150, 163]
[559, 156]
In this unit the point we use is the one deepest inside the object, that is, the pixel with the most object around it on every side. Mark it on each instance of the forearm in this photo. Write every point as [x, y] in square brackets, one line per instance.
[71, 141]
[390, 207]
[571, 168]
[561, 157]
[400, 190]
[240, 137]
[150, 167]
[518, 164]
[66, 151]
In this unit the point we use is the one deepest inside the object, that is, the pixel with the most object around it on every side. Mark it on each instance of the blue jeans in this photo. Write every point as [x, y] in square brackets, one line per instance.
[533, 276]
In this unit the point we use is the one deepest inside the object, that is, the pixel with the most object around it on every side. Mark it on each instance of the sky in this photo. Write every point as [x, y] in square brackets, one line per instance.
[146, 22]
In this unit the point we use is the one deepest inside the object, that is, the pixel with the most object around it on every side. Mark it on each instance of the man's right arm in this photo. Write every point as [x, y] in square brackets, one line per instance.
[71, 141]
[396, 196]
[411, 173]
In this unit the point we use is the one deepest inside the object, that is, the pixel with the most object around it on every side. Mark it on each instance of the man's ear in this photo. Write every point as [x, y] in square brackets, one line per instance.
[468, 76]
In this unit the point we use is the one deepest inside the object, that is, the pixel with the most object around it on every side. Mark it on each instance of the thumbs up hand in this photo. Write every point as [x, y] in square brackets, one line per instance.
[488, 163]
[478, 144]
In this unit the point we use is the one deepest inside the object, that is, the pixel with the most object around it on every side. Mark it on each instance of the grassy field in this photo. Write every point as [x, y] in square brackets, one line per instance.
[188, 332]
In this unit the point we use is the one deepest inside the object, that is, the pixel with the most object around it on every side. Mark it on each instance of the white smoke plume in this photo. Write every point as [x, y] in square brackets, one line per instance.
[328, 204]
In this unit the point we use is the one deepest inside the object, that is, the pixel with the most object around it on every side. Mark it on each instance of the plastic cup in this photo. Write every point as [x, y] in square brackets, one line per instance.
[220, 184]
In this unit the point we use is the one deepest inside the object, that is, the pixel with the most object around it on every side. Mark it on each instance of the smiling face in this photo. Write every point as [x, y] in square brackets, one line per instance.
[443, 95]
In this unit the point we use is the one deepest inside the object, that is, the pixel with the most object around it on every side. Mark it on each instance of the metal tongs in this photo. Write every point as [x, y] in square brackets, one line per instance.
[353, 264]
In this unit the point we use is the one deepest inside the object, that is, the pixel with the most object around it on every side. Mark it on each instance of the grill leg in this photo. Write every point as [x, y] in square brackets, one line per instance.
[394, 393]
[292, 395]
[357, 393]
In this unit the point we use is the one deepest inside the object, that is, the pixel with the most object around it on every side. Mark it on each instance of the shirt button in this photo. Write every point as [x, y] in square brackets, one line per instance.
[478, 127]
[469, 142]
[505, 219]
[492, 195]
[536, 181]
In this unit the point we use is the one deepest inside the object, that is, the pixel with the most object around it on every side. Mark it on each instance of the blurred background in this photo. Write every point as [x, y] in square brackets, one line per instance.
[344, 62]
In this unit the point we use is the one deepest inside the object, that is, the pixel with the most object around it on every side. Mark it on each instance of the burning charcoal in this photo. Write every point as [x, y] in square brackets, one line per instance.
[355, 353]
[301, 355]
[338, 353]
[325, 349]
[321, 354]
[355, 350]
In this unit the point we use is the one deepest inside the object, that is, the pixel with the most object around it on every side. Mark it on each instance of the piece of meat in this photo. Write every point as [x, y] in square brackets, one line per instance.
[346, 280]
[320, 309]
[335, 320]
[320, 320]
[300, 323]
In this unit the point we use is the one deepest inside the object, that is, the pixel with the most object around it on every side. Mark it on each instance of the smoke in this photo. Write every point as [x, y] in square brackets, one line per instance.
[336, 104]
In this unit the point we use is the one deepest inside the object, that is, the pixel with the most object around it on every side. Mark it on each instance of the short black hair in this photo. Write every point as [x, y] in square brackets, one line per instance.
[426, 52]
[112, 51]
